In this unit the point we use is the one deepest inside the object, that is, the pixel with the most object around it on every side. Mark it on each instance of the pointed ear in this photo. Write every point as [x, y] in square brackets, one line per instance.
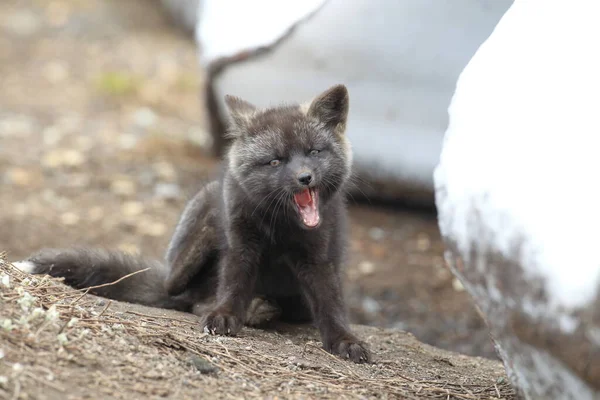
[240, 111]
[331, 108]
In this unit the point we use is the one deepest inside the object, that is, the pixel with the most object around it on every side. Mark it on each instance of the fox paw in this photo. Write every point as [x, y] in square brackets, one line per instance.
[351, 348]
[220, 323]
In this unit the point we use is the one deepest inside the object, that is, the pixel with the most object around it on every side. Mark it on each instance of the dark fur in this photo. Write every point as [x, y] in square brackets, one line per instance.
[240, 249]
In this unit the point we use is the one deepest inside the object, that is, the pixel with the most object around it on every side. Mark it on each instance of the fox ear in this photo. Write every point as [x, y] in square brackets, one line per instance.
[240, 111]
[331, 108]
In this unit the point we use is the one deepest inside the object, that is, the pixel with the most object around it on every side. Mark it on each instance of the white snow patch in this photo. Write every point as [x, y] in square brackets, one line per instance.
[25, 266]
[522, 146]
[230, 26]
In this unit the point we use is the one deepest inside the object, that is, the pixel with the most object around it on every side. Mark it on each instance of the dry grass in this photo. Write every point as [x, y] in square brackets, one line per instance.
[57, 342]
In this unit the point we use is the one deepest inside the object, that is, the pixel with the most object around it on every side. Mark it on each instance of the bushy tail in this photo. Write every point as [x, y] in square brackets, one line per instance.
[83, 268]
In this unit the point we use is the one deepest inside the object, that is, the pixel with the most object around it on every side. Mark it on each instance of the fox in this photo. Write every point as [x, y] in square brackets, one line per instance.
[266, 240]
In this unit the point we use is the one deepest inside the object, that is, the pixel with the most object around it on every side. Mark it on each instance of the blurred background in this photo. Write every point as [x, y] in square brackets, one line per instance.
[111, 116]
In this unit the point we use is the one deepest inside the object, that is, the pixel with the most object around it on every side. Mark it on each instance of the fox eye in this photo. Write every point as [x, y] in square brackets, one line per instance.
[314, 152]
[274, 163]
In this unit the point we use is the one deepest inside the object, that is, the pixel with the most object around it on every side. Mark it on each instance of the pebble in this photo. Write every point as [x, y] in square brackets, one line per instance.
[376, 234]
[17, 125]
[199, 137]
[144, 117]
[22, 23]
[167, 191]
[366, 268]
[123, 187]
[150, 228]
[52, 135]
[132, 208]
[129, 248]
[56, 72]
[69, 218]
[370, 305]
[63, 157]
[127, 141]
[165, 170]
[457, 285]
[19, 177]
[423, 242]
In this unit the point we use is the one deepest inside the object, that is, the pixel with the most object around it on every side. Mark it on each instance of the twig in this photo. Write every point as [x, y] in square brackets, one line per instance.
[44, 382]
[104, 309]
[161, 317]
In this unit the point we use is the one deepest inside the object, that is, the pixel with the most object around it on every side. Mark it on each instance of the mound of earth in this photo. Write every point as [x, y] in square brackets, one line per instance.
[60, 343]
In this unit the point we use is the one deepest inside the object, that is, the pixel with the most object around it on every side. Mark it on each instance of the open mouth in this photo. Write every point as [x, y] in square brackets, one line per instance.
[308, 207]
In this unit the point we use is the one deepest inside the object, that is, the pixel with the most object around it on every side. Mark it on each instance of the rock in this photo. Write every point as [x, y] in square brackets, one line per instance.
[69, 218]
[63, 158]
[56, 72]
[145, 117]
[376, 234]
[370, 305]
[398, 94]
[519, 226]
[16, 125]
[151, 228]
[123, 187]
[20, 177]
[203, 365]
[167, 191]
[165, 171]
[132, 208]
[366, 268]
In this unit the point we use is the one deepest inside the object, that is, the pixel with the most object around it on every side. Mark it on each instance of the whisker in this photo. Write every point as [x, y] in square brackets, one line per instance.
[266, 197]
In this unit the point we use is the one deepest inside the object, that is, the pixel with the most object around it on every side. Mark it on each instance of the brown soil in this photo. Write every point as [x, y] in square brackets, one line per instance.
[63, 344]
[102, 140]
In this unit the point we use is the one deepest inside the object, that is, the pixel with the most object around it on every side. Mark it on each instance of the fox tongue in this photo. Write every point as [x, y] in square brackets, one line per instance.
[307, 204]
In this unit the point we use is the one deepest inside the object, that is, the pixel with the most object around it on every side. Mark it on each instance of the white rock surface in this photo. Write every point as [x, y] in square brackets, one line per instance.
[516, 197]
[399, 59]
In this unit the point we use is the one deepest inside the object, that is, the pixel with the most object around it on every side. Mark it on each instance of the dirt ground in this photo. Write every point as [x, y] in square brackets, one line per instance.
[102, 141]
[58, 343]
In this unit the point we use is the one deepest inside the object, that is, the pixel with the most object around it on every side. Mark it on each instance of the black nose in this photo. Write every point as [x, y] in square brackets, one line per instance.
[305, 178]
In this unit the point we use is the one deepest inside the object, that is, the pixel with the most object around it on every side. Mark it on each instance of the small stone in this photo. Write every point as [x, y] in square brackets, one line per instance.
[52, 135]
[144, 117]
[127, 141]
[123, 187]
[376, 234]
[19, 125]
[56, 72]
[132, 208]
[457, 285]
[203, 365]
[63, 157]
[167, 191]
[20, 177]
[370, 305]
[366, 268]
[22, 23]
[423, 242]
[200, 137]
[155, 229]
[165, 171]
[69, 219]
